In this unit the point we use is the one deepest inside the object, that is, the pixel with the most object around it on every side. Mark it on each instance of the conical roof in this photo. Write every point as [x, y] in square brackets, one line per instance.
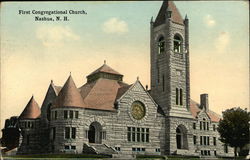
[31, 111]
[170, 6]
[69, 95]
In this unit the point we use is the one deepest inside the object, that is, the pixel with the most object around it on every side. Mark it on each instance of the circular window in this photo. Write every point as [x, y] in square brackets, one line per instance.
[138, 110]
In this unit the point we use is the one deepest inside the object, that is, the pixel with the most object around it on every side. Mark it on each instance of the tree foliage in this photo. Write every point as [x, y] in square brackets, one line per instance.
[234, 127]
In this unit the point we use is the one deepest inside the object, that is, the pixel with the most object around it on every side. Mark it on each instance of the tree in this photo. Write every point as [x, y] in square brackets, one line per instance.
[234, 128]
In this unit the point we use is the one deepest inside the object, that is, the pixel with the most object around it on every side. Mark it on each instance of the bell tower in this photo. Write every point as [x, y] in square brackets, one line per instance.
[169, 54]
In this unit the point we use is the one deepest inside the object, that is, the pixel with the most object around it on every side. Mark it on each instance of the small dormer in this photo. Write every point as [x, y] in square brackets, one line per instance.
[167, 12]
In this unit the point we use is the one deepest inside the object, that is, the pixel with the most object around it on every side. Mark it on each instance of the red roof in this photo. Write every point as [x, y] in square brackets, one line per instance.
[69, 95]
[57, 89]
[106, 69]
[161, 17]
[31, 111]
[122, 90]
[195, 110]
[214, 116]
[101, 94]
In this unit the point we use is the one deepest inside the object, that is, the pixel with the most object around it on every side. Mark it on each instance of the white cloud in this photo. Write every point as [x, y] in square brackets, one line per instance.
[222, 41]
[55, 35]
[115, 25]
[209, 21]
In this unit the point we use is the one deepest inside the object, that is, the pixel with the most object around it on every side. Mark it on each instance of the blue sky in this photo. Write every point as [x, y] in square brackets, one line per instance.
[33, 53]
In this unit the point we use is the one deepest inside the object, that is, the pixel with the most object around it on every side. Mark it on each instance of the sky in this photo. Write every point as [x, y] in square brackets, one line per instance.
[35, 52]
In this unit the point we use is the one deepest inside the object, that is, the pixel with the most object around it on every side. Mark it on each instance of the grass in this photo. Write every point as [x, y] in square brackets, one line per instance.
[140, 157]
[182, 157]
[57, 156]
[84, 156]
[150, 157]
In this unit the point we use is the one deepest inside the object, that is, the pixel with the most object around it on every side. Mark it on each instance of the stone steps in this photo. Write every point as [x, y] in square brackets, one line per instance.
[103, 149]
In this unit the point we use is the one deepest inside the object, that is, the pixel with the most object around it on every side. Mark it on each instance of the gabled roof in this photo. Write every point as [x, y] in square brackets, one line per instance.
[195, 110]
[214, 116]
[105, 69]
[122, 90]
[161, 17]
[31, 111]
[51, 94]
[101, 94]
[69, 95]
[57, 89]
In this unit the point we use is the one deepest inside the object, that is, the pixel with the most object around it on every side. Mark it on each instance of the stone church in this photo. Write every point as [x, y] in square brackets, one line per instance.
[108, 116]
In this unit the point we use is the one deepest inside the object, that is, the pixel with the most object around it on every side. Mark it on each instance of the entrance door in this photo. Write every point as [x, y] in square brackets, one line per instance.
[91, 134]
[94, 133]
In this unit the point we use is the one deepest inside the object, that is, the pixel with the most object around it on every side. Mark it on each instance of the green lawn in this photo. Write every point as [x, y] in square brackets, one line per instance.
[57, 156]
[82, 156]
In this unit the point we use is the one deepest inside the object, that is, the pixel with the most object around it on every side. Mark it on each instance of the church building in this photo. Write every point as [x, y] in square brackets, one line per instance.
[108, 116]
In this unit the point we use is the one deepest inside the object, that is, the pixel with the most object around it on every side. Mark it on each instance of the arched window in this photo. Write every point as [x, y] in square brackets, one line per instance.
[204, 123]
[181, 97]
[177, 44]
[161, 45]
[48, 111]
[181, 137]
[158, 72]
[177, 96]
[178, 138]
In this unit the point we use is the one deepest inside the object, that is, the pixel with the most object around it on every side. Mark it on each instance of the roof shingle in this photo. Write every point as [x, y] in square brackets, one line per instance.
[161, 17]
[57, 89]
[101, 94]
[69, 95]
[195, 110]
[105, 69]
[31, 111]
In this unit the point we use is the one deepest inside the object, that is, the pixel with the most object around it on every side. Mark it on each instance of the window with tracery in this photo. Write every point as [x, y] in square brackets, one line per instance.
[161, 45]
[177, 44]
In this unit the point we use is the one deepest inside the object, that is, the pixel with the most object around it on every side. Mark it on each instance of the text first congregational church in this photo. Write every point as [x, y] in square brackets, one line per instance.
[108, 116]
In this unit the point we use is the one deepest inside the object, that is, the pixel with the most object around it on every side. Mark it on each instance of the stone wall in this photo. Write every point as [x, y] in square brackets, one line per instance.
[186, 124]
[211, 132]
[114, 123]
[30, 143]
[173, 66]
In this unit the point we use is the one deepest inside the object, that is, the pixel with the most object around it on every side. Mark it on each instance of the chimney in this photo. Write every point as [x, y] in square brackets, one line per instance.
[204, 102]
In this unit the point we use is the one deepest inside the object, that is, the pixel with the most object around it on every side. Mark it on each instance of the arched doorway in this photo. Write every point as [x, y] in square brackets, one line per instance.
[181, 137]
[94, 133]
